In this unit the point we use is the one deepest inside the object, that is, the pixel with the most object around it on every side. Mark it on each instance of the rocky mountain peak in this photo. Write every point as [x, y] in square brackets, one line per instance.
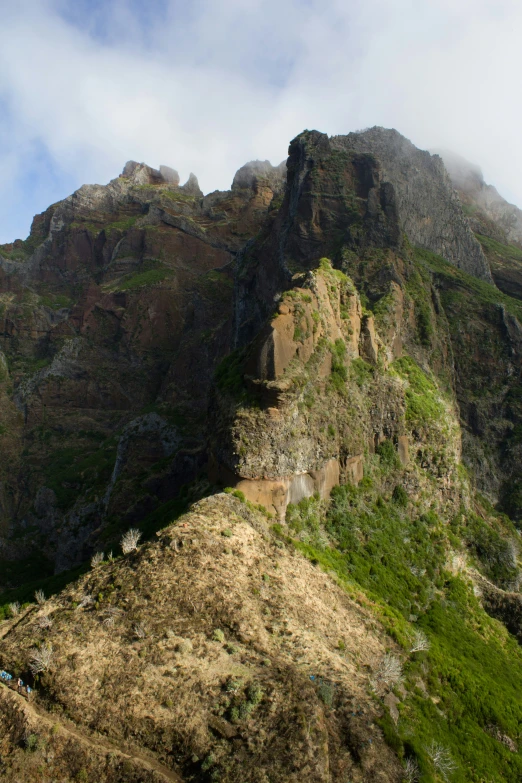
[489, 212]
[249, 176]
[429, 211]
[141, 174]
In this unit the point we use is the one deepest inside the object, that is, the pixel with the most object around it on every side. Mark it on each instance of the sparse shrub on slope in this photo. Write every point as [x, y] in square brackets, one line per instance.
[129, 541]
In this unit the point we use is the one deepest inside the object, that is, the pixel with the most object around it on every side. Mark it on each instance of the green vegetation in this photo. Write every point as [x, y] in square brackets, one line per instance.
[56, 301]
[176, 195]
[361, 372]
[472, 669]
[388, 455]
[150, 277]
[125, 224]
[422, 398]
[495, 554]
[418, 286]
[492, 247]
[466, 287]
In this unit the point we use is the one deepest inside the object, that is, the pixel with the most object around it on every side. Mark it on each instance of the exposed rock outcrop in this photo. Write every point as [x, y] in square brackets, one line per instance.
[429, 211]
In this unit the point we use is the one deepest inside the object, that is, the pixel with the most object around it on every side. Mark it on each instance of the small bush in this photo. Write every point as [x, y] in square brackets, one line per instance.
[255, 693]
[420, 642]
[218, 635]
[400, 496]
[39, 597]
[390, 670]
[140, 631]
[326, 691]
[32, 742]
[41, 659]
[97, 559]
[14, 608]
[339, 373]
[129, 541]
[441, 759]
[387, 453]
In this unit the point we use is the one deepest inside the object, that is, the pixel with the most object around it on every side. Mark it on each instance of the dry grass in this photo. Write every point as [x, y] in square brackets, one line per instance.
[282, 621]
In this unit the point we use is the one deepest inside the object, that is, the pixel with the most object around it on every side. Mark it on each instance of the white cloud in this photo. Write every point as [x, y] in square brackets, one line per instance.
[206, 86]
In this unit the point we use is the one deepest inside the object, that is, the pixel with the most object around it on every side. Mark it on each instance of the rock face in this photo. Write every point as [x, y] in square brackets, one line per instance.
[125, 298]
[496, 223]
[118, 302]
[468, 180]
[429, 212]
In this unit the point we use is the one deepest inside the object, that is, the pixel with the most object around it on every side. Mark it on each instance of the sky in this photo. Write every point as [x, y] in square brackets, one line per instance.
[205, 86]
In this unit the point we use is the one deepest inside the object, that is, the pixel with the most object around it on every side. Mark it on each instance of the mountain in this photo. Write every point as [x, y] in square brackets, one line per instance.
[335, 341]
[497, 223]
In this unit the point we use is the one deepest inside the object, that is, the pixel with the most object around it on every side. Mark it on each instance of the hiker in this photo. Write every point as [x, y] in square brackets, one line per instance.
[20, 684]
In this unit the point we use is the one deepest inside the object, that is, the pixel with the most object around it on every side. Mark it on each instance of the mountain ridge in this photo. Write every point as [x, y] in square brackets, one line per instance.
[332, 349]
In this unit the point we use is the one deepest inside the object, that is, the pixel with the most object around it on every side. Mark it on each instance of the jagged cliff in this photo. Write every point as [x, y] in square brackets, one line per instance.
[326, 340]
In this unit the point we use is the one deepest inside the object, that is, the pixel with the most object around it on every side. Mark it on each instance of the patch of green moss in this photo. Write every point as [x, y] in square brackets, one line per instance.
[151, 277]
[125, 224]
[56, 301]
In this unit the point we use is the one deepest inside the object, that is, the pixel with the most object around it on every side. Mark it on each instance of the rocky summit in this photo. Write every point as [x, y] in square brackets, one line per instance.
[261, 475]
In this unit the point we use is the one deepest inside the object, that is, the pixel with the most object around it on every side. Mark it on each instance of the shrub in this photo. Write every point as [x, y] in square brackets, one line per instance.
[41, 658]
[339, 373]
[255, 693]
[422, 401]
[97, 559]
[218, 635]
[441, 759]
[129, 541]
[39, 597]
[87, 600]
[411, 771]
[32, 742]
[387, 454]
[361, 371]
[45, 622]
[325, 691]
[233, 686]
[390, 670]
[400, 496]
[420, 642]
[184, 647]
[14, 608]
[110, 617]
